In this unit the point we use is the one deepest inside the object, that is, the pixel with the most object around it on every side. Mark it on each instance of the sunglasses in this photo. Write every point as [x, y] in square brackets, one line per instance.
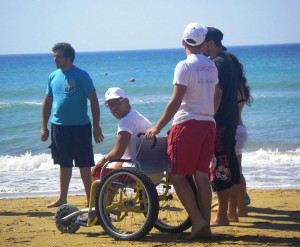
[116, 102]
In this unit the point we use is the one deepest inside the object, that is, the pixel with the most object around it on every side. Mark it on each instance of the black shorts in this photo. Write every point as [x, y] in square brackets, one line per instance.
[224, 171]
[72, 143]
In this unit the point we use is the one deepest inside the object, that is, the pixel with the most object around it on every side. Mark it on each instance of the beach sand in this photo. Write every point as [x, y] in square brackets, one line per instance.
[274, 220]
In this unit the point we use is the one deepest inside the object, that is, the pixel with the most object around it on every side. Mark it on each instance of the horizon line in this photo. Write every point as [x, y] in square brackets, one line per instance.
[147, 49]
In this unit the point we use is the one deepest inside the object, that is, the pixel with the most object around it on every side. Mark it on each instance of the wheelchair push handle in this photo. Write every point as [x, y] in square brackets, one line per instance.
[154, 139]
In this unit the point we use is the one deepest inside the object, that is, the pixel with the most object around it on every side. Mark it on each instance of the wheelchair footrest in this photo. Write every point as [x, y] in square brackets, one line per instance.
[80, 223]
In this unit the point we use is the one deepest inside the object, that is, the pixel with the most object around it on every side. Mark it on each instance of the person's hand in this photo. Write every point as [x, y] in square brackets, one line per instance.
[151, 133]
[98, 136]
[99, 164]
[44, 134]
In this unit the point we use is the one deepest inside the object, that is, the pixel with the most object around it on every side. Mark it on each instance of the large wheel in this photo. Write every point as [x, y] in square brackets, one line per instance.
[67, 226]
[124, 214]
[172, 217]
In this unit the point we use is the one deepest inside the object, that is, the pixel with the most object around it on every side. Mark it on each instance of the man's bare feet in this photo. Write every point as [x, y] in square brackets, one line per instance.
[219, 222]
[242, 214]
[56, 204]
[232, 218]
[206, 232]
[197, 230]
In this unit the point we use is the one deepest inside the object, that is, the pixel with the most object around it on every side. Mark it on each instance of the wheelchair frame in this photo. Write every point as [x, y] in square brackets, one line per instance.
[127, 203]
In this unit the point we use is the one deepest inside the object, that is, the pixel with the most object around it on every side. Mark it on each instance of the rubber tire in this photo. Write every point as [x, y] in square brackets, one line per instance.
[68, 226]
[184, 225]
[153, 205]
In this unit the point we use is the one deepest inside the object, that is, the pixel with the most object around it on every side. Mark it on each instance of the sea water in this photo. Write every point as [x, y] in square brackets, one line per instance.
[271, 158]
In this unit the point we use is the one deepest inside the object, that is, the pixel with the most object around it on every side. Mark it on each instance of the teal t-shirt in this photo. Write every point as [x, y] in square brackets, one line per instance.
[69, 90]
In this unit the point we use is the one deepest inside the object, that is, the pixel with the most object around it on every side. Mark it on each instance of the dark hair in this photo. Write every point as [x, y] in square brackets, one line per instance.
[242, 80]
[214, 34]
[66, 48]
[193, 48]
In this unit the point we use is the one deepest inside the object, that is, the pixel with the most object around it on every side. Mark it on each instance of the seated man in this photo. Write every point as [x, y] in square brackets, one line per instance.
[130, 124]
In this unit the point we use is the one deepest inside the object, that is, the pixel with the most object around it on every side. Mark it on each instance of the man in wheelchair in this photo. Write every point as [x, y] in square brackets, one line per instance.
[131, 123]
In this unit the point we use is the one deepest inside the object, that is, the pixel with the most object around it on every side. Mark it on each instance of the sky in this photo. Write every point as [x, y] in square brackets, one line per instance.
[33, 26]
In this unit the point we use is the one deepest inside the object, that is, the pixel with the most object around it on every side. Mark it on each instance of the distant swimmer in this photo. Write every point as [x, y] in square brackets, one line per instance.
[105, 73]
[132, 80]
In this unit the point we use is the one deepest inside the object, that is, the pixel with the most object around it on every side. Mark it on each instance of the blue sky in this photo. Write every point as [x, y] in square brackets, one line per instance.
[33, 26]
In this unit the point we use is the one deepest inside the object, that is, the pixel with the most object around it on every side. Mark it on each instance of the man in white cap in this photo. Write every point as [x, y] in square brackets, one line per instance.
[191, 139]
[130, 125]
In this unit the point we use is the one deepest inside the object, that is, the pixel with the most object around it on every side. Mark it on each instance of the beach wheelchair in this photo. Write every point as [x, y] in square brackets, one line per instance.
[130, 201]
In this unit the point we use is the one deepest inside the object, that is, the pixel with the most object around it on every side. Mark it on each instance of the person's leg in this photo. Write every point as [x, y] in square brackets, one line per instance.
[204, 194]
[241, 200]
[232, 204]
[86, 176]
[82, 151]
[65, 178]
[235, 176]
[221, 218]
[188, 200]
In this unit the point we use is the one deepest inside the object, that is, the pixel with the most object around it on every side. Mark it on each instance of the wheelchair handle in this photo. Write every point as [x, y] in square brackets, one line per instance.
[120, 160]
[154, 139]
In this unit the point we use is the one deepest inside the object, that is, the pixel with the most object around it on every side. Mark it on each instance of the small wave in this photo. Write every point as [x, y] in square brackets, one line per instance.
[36, 174]
[276, 95]
[269, 158]
[4, 104]
[32, 103]
[25, 162]
[267, 169]
[29, 162]
[11, 104]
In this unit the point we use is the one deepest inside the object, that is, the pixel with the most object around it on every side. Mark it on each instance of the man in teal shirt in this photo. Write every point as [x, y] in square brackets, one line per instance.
[71, 132]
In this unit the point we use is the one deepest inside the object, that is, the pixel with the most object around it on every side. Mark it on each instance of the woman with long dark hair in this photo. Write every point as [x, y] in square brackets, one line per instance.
[243, 97]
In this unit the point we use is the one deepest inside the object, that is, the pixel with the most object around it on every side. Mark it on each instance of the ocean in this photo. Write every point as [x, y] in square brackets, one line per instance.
[271, 158]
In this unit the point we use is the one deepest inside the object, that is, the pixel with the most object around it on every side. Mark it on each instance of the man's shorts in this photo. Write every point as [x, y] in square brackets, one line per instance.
[241, 138]
[72, 143]
[224, 168]
[190, 147]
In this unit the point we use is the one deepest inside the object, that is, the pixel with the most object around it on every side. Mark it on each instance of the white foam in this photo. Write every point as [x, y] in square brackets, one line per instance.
[26, 162]
[271, 158]
[267, 169]
[30, 175]
[10, 104]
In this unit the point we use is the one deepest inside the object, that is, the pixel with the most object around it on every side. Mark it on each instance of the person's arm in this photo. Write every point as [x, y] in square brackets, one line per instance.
[95, 109]
[123, 139]
[170, 111]
[217, 97]
[46, 112]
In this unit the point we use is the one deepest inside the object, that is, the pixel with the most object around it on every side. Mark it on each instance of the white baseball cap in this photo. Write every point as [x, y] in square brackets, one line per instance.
[194, 34]
[114, 93]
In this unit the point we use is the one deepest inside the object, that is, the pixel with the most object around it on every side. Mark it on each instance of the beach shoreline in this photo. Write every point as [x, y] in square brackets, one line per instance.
[274, 219]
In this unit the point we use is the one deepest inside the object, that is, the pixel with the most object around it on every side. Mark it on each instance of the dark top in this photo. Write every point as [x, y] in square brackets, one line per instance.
[228, 112]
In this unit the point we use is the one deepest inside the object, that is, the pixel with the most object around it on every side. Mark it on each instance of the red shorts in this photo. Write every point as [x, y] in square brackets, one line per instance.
[191, 147]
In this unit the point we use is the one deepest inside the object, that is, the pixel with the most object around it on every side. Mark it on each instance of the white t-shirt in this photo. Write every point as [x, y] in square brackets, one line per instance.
[134, 123]
[200, 75]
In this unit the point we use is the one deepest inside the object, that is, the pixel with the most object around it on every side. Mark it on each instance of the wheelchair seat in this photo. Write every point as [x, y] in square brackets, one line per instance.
[153, 158]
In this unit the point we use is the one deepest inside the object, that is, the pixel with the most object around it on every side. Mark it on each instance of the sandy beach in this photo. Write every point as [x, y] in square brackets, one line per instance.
[274, 220]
